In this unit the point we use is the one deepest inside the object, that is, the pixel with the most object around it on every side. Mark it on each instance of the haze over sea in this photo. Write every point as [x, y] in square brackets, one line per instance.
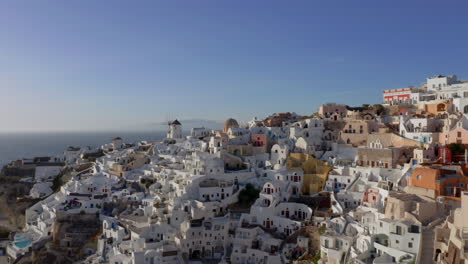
[15, 146]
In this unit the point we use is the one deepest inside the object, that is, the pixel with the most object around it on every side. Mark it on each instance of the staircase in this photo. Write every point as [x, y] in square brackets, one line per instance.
[291, 238]
[427, 246]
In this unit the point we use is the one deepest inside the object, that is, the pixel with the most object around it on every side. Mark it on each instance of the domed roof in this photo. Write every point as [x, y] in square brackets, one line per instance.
[230, 123]
[176, 122]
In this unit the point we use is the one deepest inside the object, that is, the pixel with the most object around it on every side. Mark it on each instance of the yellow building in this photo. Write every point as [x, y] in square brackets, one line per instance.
[315, 171]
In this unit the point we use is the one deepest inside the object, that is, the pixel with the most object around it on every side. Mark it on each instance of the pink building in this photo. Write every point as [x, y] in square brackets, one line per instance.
[370, 197]
[458, 135]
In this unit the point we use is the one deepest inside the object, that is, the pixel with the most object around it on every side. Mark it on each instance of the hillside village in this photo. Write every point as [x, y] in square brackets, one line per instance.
[383, 183]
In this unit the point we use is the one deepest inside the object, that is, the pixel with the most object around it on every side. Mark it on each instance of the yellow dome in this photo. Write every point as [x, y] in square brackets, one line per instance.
[230, 123]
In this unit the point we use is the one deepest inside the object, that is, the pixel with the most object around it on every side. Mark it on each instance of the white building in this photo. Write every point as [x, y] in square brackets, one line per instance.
[175, 130]
[423, 130]
[200, 132]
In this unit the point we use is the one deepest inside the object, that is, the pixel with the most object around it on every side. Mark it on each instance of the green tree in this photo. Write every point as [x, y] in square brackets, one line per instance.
[378, 109]
[249, 194]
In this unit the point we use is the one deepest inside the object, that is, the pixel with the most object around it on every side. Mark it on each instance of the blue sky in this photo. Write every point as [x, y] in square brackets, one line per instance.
[128, 65]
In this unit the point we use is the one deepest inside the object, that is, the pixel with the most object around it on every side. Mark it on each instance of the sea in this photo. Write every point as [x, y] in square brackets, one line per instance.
[14, 146]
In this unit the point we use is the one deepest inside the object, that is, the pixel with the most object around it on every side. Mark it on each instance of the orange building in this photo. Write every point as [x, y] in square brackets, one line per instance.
[438, 108]
[443, 180]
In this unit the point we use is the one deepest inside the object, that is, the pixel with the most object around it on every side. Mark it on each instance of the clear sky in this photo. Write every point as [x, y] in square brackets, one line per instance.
[128, 65]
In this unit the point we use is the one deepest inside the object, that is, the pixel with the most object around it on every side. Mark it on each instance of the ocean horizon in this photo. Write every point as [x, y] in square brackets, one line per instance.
[19, 145]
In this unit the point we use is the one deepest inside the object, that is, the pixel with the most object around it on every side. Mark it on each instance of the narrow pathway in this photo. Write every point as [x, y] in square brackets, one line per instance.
[427, 250]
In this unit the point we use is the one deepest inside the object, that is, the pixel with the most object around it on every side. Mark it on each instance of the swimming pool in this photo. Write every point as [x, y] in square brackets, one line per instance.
[23, 244]
[22, 240]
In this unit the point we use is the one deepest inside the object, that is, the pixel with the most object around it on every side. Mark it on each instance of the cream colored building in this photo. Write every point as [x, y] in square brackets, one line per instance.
[451, 239]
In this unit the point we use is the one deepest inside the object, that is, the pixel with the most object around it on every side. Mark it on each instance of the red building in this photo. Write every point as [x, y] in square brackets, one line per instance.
[397, 96]
[448, 154]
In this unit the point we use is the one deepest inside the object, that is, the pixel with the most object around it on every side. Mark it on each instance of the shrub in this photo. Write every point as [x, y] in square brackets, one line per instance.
[94, 155]
[249, 194]
[60, 180]
[322, 229]
[316, 258]
[378, 108]
[4, 233]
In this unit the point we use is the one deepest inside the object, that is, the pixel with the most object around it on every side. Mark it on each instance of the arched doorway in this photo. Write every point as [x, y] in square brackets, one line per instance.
[295, 190]
[236, 152]
[196, 254]
[437, 253]
[440, 107]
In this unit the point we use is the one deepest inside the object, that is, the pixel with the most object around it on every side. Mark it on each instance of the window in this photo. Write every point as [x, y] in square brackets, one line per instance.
[410, 245]
[419, 177]
[398, 230]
